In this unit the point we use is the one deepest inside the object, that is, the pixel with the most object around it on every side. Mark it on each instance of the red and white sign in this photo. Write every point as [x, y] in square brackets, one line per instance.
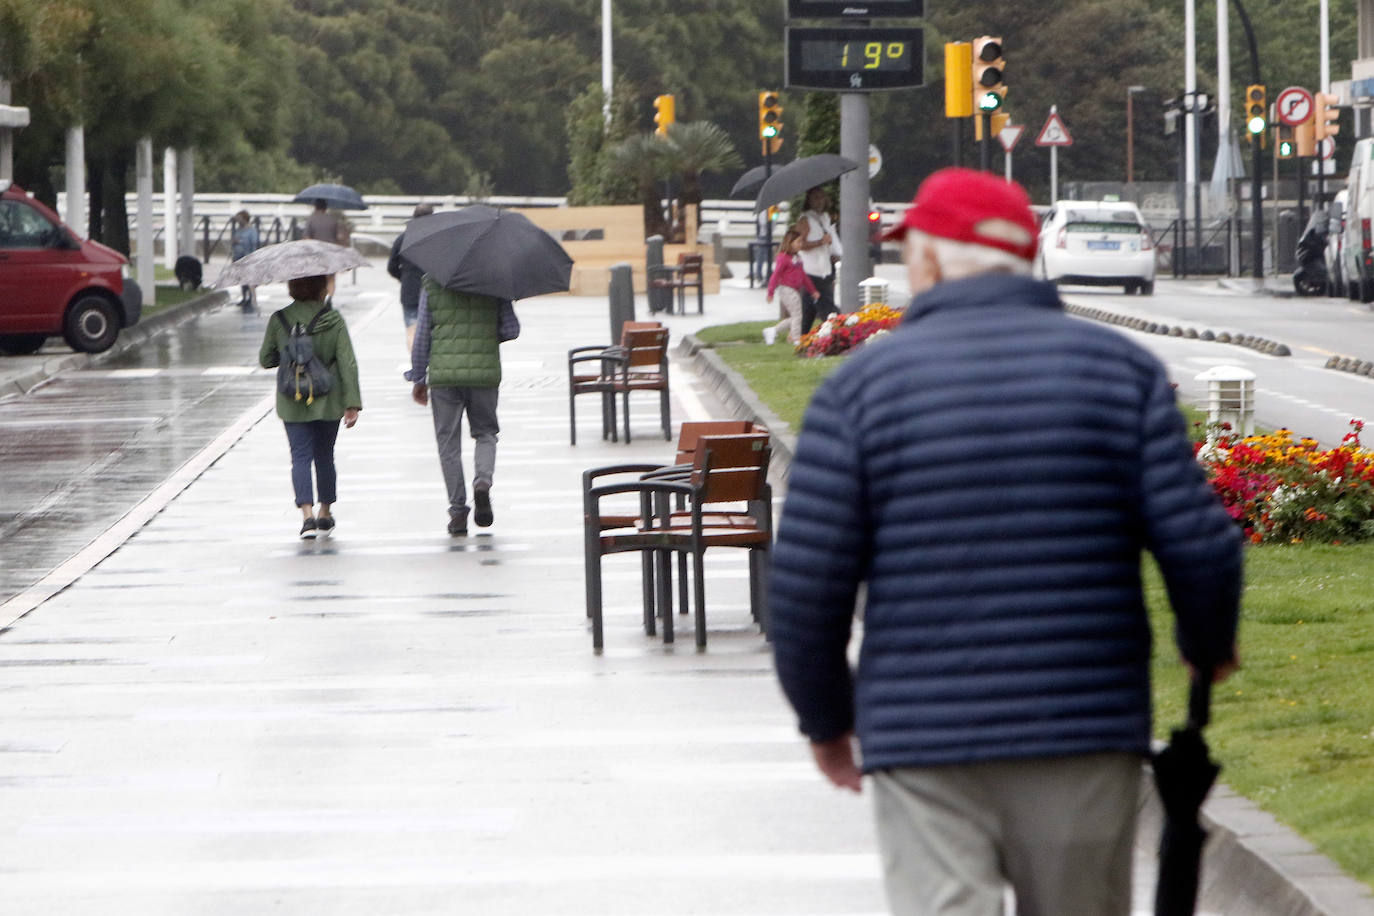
[1054, 133]
[1294, 106]
[1008, 136]
[1326, 148]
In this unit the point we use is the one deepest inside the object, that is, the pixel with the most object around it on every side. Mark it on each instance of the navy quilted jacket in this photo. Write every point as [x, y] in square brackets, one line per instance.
[991, 473]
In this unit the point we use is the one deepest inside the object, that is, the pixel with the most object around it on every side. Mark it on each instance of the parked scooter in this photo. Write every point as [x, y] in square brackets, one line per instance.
[1311, 277]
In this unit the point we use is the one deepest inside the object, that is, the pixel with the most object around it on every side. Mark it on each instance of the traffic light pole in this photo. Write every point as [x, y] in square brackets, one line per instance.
[985, 147]
[854, 266]
[1257, 158]
[767, 214]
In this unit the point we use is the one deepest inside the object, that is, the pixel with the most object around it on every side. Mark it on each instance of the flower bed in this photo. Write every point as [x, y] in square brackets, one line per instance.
[1286, 491]
[841, 333]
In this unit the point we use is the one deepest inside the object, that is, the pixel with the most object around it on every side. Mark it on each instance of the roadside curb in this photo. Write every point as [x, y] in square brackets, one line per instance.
[1254, 866]
[1262, 344]
[154, 326]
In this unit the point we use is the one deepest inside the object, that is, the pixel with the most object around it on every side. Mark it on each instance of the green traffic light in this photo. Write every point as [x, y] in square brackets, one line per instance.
[1255, 125]
[770, 131]
[989, 101]
[1286, 148]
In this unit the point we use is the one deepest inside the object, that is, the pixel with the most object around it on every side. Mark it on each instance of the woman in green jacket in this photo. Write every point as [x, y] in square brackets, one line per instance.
[312, 424]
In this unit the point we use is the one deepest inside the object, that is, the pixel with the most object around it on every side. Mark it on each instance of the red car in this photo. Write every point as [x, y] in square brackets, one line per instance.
[54, 282]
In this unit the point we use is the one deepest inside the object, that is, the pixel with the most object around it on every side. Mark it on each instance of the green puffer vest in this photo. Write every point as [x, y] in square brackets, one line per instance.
[464, 350]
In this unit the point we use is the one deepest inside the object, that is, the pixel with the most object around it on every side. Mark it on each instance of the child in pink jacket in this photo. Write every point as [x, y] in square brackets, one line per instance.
[789, 280]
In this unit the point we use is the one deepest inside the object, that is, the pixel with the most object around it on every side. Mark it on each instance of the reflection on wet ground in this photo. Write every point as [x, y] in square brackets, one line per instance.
[82, 449]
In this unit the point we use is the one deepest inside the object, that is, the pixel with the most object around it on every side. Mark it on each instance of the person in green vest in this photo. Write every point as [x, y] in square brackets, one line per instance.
[312, 423]
[455, 367]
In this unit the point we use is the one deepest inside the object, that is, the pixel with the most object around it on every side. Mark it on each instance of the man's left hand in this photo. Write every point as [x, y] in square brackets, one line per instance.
[420, 394]
[836, 760]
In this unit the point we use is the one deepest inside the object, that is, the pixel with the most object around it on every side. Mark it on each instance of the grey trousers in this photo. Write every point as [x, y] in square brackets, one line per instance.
[1059, 830]
[448, 406]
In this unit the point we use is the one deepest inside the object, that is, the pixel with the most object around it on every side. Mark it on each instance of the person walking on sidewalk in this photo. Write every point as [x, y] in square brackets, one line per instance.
[990, 473]
[410, 276]
[455, 369]
[819, 250]
[312, 423]
[790, 282]
[245, 241]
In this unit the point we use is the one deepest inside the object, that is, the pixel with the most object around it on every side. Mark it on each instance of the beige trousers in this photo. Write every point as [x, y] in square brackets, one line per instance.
[791, 301]
[1059, 831]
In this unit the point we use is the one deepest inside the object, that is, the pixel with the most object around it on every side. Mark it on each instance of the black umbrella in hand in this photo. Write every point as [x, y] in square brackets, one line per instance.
[1184, 774]
[479, 249]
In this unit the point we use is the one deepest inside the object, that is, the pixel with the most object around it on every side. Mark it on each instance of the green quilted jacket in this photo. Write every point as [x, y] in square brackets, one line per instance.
[465, 351]
[333, 345]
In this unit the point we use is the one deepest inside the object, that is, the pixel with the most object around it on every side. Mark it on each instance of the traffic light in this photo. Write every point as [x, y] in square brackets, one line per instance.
[988, 71]
[1325, 116]
[1303, 140]
[770, 115]
[1256, 112]
[999, 120]
[1286, 145]
[665, 113]
[958, 79]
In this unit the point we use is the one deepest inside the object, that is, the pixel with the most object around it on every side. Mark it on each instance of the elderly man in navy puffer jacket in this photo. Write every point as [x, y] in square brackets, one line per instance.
[991, 473]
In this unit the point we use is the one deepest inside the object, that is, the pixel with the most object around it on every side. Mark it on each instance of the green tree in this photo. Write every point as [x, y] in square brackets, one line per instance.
[643, 158]
[593, 177]
[694, 148]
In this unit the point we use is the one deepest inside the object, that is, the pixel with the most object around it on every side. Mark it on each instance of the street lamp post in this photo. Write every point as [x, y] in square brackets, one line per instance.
[1130, 133]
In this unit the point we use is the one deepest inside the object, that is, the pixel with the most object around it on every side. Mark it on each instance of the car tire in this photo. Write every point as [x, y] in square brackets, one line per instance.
[1366, 290]
[1147, 287]
[1130, 287]
[91, 325]
[21, 344]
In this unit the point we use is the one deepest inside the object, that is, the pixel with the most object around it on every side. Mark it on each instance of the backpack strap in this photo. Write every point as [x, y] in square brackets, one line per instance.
[310, 328]
[284, 326]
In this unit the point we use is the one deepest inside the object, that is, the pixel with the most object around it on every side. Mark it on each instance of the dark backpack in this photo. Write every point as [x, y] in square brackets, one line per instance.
[301, 374]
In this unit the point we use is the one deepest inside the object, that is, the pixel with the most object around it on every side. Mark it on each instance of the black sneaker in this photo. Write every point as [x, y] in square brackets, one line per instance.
[325, 524]
[457, 527]
[309, 530]
[481, 507]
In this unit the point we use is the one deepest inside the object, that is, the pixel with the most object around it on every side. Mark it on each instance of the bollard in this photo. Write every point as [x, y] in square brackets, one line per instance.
[1230, 399]
[660, 298]
[622, 298]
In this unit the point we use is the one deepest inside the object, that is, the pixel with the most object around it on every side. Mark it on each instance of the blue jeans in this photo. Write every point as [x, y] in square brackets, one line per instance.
[313, 443]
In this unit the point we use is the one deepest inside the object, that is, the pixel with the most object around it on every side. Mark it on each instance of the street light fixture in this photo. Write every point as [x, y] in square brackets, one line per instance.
[1130, 133]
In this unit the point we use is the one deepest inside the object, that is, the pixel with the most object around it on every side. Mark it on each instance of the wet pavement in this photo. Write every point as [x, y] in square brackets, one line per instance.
[203, 714]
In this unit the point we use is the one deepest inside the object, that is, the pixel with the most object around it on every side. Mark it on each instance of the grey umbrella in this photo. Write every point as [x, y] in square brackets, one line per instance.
[339, 196]
[800, 176]
[752, 180]
[289, 260]
[480, 249]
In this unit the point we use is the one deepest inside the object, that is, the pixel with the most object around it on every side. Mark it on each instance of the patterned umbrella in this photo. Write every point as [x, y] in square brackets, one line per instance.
[289, 260]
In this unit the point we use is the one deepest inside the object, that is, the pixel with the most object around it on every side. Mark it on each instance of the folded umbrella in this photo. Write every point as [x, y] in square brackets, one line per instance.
[288, 261]
[479, 249]
[800, 176]
[339, 196]
[1184, 774]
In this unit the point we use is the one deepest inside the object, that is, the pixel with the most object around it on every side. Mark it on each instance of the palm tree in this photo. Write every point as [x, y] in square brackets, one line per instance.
[696, 147]
[644, 159]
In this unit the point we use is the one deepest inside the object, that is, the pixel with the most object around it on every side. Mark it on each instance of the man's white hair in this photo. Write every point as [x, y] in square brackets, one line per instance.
[966, 259]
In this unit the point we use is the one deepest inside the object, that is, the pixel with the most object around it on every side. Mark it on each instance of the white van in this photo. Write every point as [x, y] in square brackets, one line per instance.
[1357, 248]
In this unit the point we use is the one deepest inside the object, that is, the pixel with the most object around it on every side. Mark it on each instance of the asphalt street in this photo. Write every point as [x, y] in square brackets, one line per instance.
[203, 714]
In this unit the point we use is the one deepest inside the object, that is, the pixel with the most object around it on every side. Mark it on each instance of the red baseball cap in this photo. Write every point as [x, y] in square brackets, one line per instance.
[966, 205]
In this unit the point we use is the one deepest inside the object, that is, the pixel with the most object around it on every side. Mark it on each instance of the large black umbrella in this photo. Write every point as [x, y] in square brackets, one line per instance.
[1184, 774]
[479, 249]
[800, 176]
[339, 196]
[752, 180]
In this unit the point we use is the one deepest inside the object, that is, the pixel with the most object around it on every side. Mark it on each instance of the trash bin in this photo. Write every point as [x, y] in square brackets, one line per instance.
[622, 298]
[660, 296]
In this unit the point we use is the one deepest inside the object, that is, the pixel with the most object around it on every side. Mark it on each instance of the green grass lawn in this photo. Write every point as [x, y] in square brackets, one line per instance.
[1294, 728]
[168, 293]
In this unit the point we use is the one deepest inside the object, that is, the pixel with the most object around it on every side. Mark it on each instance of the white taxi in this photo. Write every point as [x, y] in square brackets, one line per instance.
[1097, 243]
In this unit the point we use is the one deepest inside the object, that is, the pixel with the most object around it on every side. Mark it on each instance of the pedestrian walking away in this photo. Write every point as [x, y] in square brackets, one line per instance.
[819, 250]
[244, 242]
[456, 371]
[409, 275]
[790, 282]
[326, 225]
[312, 422]
[989, 475]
